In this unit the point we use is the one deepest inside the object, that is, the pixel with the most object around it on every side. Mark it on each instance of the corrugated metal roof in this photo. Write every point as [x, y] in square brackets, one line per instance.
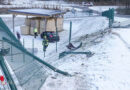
[40, 12]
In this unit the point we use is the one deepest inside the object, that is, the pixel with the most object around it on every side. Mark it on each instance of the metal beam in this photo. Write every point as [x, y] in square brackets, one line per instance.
[13, 17]
[36, 58]
[70, 31]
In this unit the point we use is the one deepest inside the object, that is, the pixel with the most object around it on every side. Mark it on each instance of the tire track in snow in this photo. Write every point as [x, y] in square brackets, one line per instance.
[119, 36]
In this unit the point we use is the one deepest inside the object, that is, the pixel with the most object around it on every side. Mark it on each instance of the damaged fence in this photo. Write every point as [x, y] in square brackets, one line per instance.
[29, 70]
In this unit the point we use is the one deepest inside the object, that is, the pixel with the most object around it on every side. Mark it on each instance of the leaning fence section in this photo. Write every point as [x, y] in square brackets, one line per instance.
[30, 73]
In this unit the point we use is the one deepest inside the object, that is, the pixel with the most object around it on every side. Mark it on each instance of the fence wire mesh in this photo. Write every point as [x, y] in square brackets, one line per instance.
[30, 73]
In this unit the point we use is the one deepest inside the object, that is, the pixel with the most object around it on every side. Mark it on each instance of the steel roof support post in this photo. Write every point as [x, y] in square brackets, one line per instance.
[33, 47]
[29, 24]
[23, 53]
[45, 24]
[43, 36]
[13, 17]
[11, 52]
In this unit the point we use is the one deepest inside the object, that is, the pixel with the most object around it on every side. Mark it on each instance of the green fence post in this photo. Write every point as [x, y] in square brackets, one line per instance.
[109, 16]
[112, 15]
[70, 31]
[33, 47]
[11, 53]
[23, 52]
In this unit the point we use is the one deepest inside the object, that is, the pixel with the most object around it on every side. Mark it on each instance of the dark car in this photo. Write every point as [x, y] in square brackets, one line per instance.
[51, 36]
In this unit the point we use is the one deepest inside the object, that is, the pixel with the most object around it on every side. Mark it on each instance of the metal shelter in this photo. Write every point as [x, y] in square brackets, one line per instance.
[43, 13]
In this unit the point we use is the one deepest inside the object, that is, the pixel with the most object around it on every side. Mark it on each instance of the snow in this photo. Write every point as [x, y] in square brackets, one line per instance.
[13, 76]
[102, 8]
[10, 16]
[78, 29]
[5, 86]
[90, 25]
[107, 69]
[42, 12]
[36, 2]
[121, 22]
[1, 86]
[22, 1]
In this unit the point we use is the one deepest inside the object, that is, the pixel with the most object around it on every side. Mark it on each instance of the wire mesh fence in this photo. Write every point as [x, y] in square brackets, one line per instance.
[30, 71]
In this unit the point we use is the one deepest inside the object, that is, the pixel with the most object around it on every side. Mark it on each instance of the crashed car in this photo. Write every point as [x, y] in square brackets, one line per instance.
[51, 36]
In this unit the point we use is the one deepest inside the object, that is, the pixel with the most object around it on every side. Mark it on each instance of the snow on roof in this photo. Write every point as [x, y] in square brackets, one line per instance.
[40, 12]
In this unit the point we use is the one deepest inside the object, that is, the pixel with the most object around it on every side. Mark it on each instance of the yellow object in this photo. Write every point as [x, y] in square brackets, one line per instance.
[35, 30]
[45, 41]
[44, 37]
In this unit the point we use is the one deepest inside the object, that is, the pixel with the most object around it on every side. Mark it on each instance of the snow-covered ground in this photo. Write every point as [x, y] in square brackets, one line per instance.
[1, 74]
[107, 69]
[102, 8]
[88, 25]
[122, 22]
[4, 85]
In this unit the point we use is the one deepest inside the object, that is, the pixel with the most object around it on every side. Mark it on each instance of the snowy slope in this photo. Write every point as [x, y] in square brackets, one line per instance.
[102, 8]
[22, 1]
[5, 85]
[90, 25]
[108, 69]
[80, 28]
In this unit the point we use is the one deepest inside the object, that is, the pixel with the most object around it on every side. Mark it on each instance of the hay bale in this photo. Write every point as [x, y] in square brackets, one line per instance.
[27, 22]
[42, 25]
[24, 30]
[50, 26]
[31, 30]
